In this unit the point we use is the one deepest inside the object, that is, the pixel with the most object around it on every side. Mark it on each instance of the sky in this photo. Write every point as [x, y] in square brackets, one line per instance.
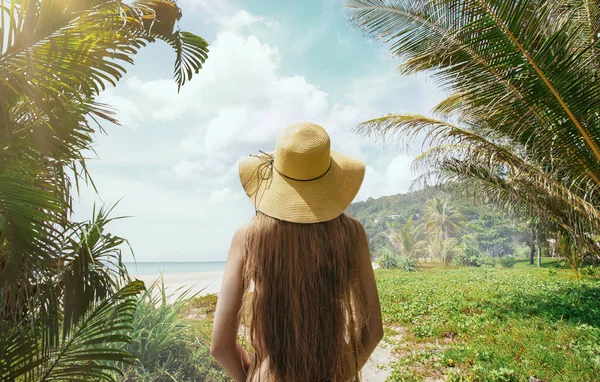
[172, 163]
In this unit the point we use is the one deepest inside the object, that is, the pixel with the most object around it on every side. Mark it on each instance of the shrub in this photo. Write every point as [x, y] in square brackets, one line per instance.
[590, 270]
[508, 261]
[165, 342]
[486, 261]
[388, 259]
[407, 264]
[461, 259]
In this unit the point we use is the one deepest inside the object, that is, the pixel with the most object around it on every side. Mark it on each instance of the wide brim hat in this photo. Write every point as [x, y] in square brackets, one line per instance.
[302, 180]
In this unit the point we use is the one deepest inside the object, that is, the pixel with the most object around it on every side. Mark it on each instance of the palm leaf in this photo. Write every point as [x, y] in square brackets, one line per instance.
[107, 324]
[89, 351]
[504, 172]
[525, 69]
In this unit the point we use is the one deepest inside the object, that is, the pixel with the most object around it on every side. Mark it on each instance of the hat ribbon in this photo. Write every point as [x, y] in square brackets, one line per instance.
[264, 173]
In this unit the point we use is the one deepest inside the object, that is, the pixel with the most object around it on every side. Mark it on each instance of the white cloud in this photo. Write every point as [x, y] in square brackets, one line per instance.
[178, 169]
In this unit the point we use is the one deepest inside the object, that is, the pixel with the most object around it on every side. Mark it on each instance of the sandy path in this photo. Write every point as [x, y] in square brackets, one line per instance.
[197, 282]
[377, 368]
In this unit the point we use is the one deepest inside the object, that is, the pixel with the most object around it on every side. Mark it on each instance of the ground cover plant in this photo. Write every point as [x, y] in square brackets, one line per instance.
[171, 337]
[492, 324]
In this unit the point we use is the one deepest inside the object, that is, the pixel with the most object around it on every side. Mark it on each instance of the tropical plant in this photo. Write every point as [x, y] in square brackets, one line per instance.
[388, 259]
[571, 254]
[508, 261]
[408, 264]
[55, 57]
[444, 249]
[406, 240]
[440, 220]
[165, 343]
[85, 312]
[491, 234]
[521, 123]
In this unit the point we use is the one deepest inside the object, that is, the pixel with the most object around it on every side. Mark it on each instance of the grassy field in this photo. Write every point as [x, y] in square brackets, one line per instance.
[491, 324]
[480, 324]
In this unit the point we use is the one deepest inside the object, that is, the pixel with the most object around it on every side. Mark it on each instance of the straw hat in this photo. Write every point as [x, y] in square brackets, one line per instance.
[302, 181]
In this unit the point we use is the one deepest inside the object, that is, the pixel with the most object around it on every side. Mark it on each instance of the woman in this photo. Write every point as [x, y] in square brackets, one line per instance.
[313, 313]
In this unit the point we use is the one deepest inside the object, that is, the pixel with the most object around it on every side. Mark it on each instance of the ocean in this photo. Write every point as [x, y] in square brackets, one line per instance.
[154, 268]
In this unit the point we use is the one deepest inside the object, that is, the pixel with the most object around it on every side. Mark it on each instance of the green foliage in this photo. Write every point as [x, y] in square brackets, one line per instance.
[523, 89]
[492, 234]
[592, 271]
[375, 214]
[485, 229]
[389, 259]
[508, 261]
[62, 305]
[87, 351]
[444, 249]
[406, 240]
[440, 220]
[481, 324]
[166, 343]
[408, 264]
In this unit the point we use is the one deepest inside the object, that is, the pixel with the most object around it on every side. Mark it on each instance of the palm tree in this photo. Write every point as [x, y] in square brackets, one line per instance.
[65, 298]
[444, 249]
[440, 219]
[407, 240]
[521, 124]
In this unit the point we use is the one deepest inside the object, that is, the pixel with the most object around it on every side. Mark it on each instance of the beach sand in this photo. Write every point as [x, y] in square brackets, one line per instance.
[202, 283]
[177, 283]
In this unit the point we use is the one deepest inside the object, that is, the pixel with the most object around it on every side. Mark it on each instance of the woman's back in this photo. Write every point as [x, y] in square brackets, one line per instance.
[313, 314]
[307, 308]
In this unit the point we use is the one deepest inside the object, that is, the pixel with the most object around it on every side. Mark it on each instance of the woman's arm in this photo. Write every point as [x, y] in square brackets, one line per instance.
[224, 346]
[373, 331]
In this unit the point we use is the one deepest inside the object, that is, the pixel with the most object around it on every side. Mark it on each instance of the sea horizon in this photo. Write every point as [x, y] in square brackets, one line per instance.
[165, 267]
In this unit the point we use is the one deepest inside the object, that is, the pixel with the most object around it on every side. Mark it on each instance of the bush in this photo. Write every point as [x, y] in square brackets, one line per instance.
[166, 344]
[486, 261]
[590, 270]
[461, 259]
[508, 261]
[469, 256]
[407, 264]
[388, 259]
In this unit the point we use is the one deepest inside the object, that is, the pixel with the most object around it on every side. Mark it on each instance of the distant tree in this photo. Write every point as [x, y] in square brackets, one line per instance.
[491, 234]
[441, 221]
[444, 249]
[407, 240]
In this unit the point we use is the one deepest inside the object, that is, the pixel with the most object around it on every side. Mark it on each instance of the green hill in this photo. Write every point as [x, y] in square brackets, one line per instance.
[483, 226]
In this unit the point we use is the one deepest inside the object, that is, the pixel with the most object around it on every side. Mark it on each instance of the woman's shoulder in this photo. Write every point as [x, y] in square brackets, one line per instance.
[240, 234]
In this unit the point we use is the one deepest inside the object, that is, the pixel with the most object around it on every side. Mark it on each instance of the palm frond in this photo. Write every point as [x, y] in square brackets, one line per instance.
[83, 352]
[525, 69]
[92, 267]
[89, 351]
[505, 173]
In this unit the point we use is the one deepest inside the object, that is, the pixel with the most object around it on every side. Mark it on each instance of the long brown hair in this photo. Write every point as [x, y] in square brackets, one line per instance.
[307, 310]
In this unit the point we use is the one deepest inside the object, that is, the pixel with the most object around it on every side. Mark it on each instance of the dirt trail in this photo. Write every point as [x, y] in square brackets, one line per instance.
[377, 368]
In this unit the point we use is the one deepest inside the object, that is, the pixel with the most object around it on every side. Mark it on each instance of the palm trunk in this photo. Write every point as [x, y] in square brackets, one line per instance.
[539, 249]
[532, 244]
